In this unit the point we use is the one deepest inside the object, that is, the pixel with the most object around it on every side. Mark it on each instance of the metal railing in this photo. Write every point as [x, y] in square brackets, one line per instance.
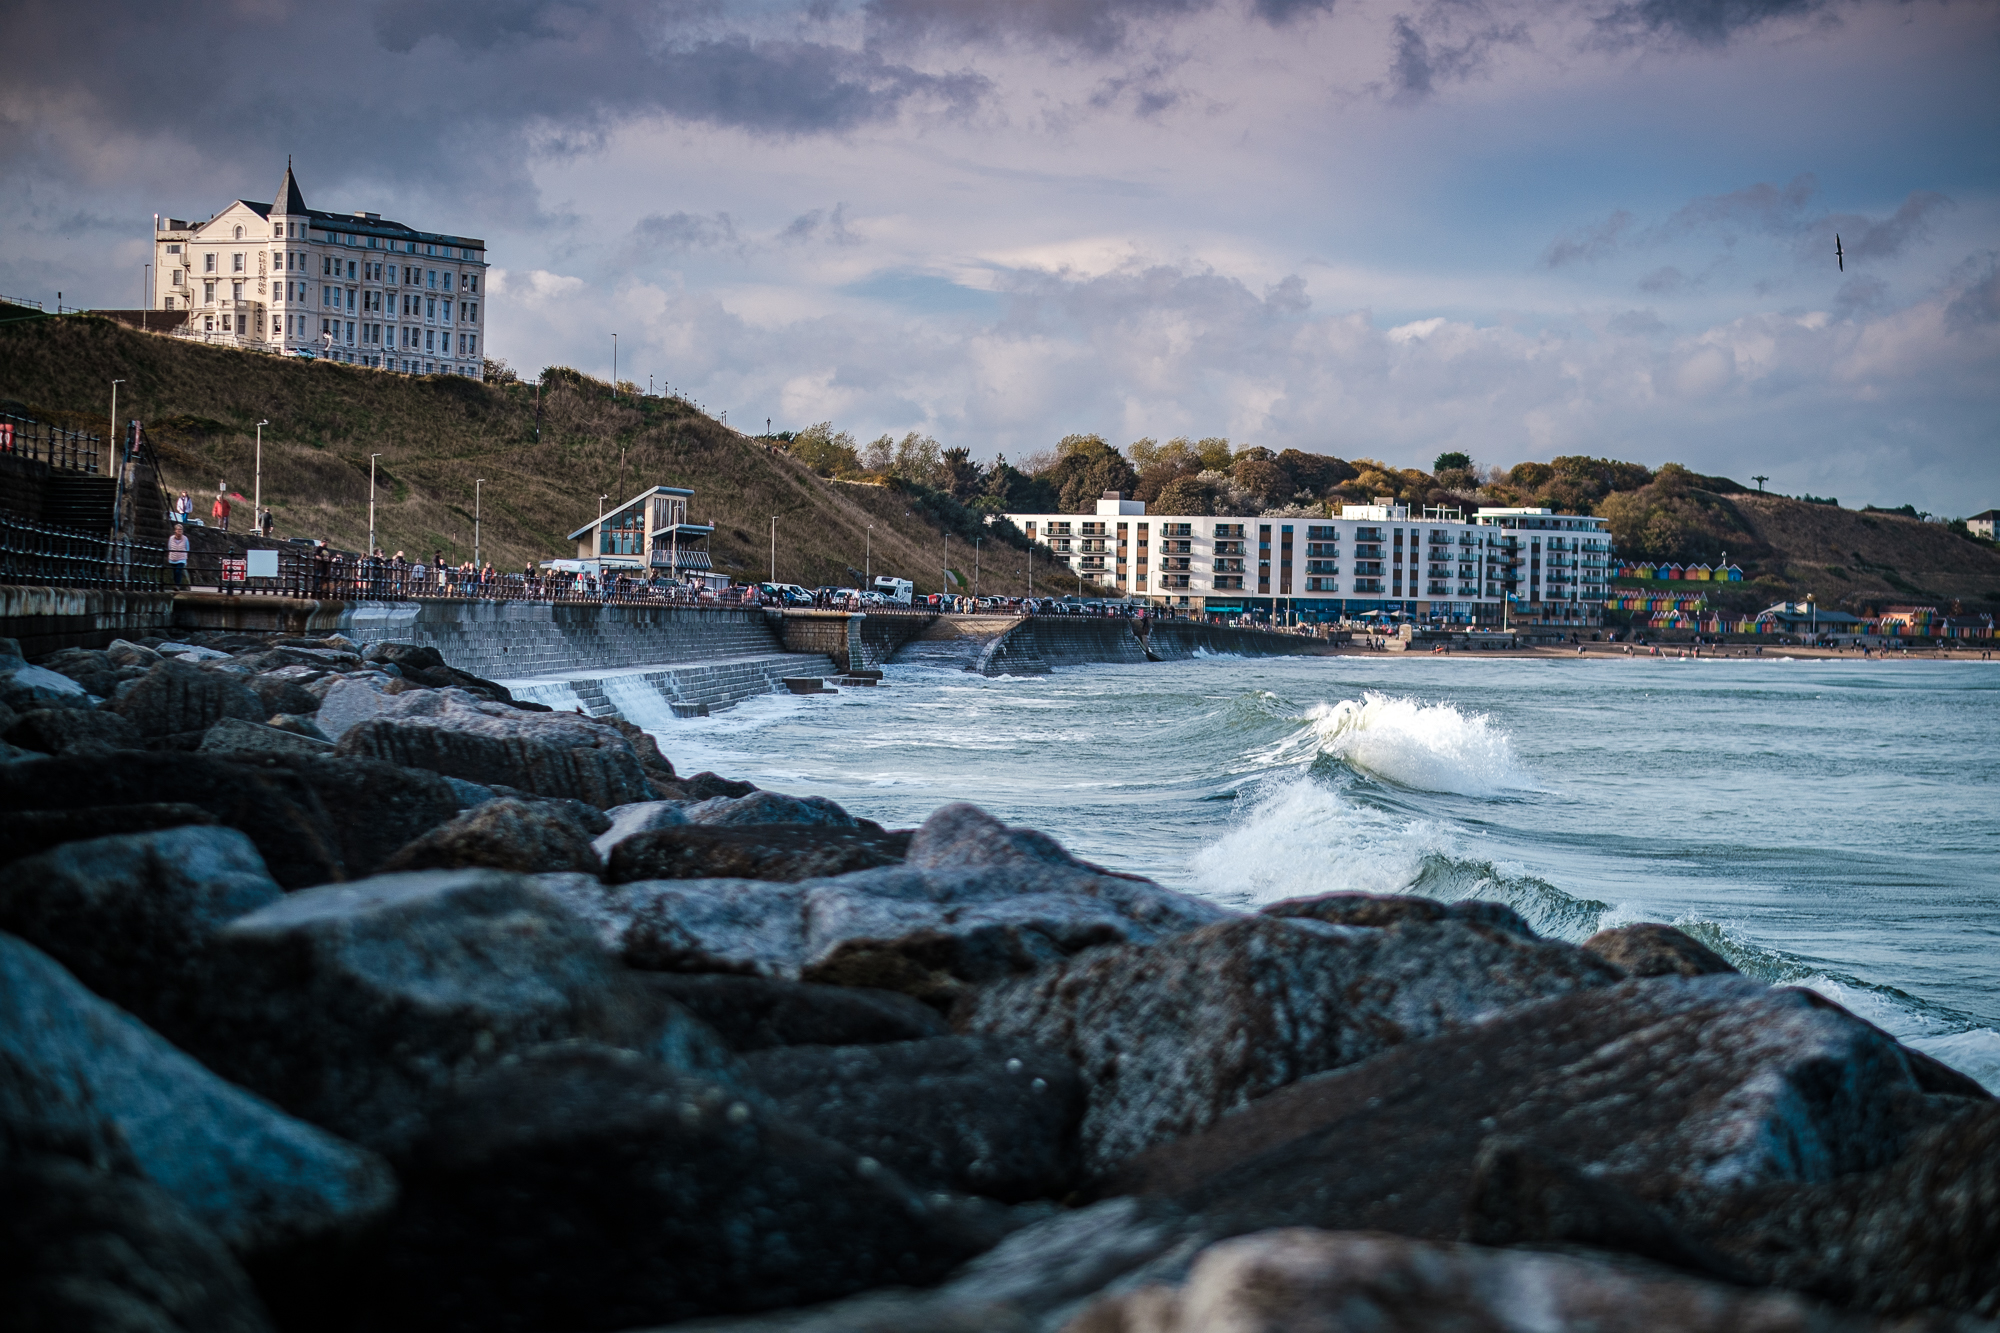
[35, 553]
[70, 450]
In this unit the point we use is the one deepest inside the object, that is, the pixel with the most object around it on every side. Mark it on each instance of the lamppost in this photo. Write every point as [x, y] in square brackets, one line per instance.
[114, 411]
[975, 566]
[1812, 611]
[614, 367]
[476, 565]
[371, 504]
[944, 579]
[867, 560]
[774, 548]
[257, 490]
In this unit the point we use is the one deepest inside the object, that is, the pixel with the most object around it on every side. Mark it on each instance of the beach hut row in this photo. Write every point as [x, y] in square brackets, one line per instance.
[1699, 573]
[1650, 603]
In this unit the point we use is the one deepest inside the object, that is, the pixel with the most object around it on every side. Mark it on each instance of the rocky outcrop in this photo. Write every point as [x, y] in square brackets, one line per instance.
[785, 852]
[64, 730]
[530, 837]
[583, 1187]
[973, 1114]
[756, 1013]
[175, 704]
[357, 1006]
[549, 754]
[233, 736]
[86, 1081]
[1170, 1037]
[25, 688]
[1648, 949]
[1388, 909]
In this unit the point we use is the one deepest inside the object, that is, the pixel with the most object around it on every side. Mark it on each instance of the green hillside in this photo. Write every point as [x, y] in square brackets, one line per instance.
[438, 435]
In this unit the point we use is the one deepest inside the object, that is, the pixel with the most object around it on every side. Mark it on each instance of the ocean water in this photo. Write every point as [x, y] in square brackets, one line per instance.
[1833, 824]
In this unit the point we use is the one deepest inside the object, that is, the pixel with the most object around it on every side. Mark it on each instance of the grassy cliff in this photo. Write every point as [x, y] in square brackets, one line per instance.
[438, 435]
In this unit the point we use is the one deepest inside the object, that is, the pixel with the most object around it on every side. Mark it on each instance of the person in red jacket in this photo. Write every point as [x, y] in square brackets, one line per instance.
[219, 511]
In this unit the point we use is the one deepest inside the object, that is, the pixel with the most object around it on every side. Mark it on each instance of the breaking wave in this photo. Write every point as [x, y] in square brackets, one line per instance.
[1426, 747]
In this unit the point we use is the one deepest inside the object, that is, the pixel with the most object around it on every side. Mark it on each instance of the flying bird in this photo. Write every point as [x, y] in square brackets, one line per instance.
[1839, 255]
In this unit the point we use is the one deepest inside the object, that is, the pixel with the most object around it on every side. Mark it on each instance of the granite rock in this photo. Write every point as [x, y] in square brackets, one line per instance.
[25, 688]
[233, 736]
[29, 832]
[769, 807]
[1386, 909]
[757, 1013]
[373, 808]
[1648, 949]
[60, 730]
[175, 704]
[789, 852]
[638, 817]
[529, 837]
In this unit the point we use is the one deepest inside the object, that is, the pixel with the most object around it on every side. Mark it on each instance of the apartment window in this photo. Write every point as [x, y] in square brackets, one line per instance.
[225, 324]
[447, 282]
[239, 233]
[278, 261]
[208, 262]
[430, 343]
[173, 249]
[473, 317]
[275, 327]
[472, 284]
[235, 291]
[169, 305]
[208, 292]
[431, 278]
[236, 260]
[177, 282]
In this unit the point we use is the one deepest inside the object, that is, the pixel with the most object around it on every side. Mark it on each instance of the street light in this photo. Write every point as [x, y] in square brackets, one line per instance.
[257, 491]
[975, 566]
[114, 411]
[868, 560]
[614, 367]
[371, 503]
[476, 566]
[774, 548]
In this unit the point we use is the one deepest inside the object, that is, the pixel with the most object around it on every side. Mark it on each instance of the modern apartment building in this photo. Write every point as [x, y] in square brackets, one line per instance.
[1530, 566]
[281, 277]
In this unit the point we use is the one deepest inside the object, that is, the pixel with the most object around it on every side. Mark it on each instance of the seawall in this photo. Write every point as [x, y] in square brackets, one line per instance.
[46, 619]
[1179, 640]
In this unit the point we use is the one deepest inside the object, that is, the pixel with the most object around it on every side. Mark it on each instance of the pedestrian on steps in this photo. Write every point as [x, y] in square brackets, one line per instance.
[177, 554]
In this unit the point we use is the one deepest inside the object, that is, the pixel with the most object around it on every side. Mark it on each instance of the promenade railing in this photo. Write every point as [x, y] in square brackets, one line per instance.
[42, 441]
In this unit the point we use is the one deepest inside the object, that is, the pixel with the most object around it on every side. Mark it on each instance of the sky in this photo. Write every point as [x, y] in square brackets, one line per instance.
[1381, 230]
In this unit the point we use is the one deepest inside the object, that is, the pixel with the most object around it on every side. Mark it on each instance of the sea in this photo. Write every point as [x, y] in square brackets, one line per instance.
[1833, 824]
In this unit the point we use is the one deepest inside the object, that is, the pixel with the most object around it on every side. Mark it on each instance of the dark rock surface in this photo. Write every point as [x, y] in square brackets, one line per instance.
[132, 916]
[233, 736]
[1172, 1036]
[1660, 1087]
[175, 704]
[373, 808]
[586, 1188]
[257, 1178]
[284, 691]
[972, 1114]
[356, 1006]
[1385, 909]
[756, 1013]
[529, 837]
[27, 832]
[549, 754]
[1648, 949]
[769, 807]
[25, 688]
[776, 851]
[638, 817]
[85, 1251]
[282, 814]
[58, 730]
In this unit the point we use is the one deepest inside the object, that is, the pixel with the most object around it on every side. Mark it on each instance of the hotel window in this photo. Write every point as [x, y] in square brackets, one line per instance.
[1285, 560]
[208, 291]
[1264, 558]
[236, 261]
[176, 282]
[208, 262]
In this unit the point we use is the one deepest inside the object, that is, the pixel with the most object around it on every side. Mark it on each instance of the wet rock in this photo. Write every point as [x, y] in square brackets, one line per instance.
[29, 832]
[1172, 1036]
[426, 667]
[657, 765]
[769, 807]
[60, 730]
[1386, 909]
[86, 797]
[175, 704]
[1663, 1087]
[345, 701]
[90, 668]
[25, 688]
[1651, 950]
[298, 724]
[584, 1188]
[470, 794]
[99, 1252]
[549, 754]
[787, 852]
[972, 1114]
[374, 808]
[131, 916]
[1304, 1279]
[259, 1179]
[125, 653]
[529, 837]
[757, 1013]
[358, 1005]
[638, 817]
[1922, 1232]
[233, 736]
[706, 786]
[284, 690]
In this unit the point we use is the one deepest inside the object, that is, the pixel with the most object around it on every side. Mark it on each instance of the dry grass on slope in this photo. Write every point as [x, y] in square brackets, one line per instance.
[437, 436]
[1840, 555]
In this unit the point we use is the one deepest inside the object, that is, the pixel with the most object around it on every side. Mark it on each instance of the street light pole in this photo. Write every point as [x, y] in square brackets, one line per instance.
[371, 504]
[257, 490]
[114, 411]
[476, 565]
[975, 566]
[614, 367]
[774, 548]
[868, 560]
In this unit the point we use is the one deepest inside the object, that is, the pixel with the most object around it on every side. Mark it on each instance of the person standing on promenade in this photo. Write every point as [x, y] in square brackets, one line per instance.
[183, 508]
[266, 524]
[177, 554]
[219, 511]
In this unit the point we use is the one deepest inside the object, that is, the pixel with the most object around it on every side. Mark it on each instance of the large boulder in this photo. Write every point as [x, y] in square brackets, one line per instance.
[549, 754]
[28, 832]
[585, 1188]
[280, 813]
[132, 916]
[426, 667]
[357, 1006]
[1393, 909]
[770, 807]
[344, 701]
[1648, 949]
[756, 1013]
[1305, 1279]
[60, 730]
[974, 901]
[531, 837]
[92, 668]
[233, 736]
[374, 808]
[25, 688]
[284, 690]
[1667, 1088]
[86, 1080]
[175, 704]
[639, 817]
[789, 852]
[84, 1251]
[972, 1114]
[1172, 1036]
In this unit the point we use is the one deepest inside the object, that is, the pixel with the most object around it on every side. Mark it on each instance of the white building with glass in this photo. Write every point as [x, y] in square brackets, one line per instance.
[354, 287]
[1528, 566]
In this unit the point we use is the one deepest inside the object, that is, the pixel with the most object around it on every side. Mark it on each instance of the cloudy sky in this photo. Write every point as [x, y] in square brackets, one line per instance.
[1367, 227]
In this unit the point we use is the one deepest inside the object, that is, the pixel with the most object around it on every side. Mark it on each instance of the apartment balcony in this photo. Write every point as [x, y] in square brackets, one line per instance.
[1438, 590]
[1367, 585]
[1368, 568]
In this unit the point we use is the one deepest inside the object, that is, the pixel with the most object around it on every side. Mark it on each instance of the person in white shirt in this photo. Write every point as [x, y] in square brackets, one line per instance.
[177, 554]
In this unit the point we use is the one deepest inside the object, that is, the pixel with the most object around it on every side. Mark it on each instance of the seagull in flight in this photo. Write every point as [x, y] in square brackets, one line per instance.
[1839, 255]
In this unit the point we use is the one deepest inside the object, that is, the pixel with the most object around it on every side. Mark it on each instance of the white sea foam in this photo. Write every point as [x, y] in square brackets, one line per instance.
[1429, 747]
[1975, 1053]
[1300, 837]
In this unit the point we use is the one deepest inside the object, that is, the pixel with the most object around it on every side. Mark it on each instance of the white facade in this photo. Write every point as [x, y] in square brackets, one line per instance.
[281, 277]
[1435, 565]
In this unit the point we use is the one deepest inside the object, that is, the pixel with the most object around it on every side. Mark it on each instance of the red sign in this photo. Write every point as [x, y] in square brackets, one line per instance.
[232, 570]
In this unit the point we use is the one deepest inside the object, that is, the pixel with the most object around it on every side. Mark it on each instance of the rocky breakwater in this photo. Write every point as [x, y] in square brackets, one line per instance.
[340, 992]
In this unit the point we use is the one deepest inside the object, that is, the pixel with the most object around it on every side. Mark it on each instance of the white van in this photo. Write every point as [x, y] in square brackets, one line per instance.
[895, 589]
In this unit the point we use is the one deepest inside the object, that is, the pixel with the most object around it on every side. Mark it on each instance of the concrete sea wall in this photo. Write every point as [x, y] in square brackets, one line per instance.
[47, 619]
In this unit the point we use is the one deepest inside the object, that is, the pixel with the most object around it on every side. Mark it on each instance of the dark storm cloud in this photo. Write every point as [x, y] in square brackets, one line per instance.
[1450, 41]
[1097, 26]
[1703, 22]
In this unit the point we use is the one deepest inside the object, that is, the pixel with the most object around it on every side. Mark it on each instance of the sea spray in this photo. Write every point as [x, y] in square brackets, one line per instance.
[1428, 747]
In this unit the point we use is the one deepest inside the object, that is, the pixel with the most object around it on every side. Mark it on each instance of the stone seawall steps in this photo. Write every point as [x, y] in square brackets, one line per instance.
[652, 694]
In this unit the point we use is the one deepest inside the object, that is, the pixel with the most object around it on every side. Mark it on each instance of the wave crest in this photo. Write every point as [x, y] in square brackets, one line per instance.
[1428, 747]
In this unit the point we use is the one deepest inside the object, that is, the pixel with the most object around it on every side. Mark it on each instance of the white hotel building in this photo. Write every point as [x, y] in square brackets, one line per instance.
[1541, 567]
[281, 277]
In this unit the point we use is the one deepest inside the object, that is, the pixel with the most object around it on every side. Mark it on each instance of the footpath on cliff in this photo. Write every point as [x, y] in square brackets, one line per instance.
[340, 991]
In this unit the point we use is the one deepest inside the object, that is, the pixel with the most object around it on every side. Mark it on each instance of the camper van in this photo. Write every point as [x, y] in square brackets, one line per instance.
[896, 590]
